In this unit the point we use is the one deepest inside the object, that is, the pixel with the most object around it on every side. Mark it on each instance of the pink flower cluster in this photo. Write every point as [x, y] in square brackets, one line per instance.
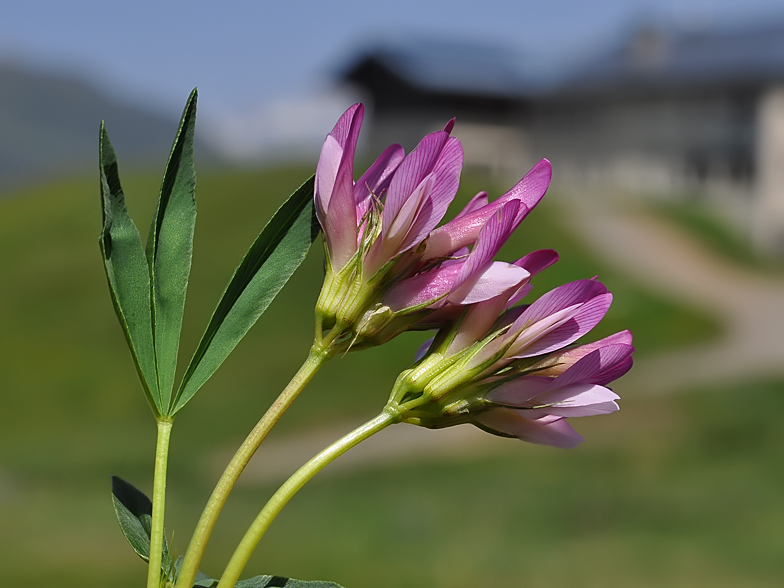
[504, 367]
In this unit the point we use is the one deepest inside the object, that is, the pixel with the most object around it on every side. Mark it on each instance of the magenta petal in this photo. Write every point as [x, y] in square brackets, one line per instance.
[576, 401]
[475, 203]
[492, 236]
[342, 128]
[425, 287]
[538, 260]
[614, 372]
[417, 164]
[559, 298]
[548, 430]
[488, 282]
[376, 179]
[326, 170]
[595, 363]
[519, 391]
[533, 186]
[423, 349]
[586, 318]
[447, 179]
[341, 218]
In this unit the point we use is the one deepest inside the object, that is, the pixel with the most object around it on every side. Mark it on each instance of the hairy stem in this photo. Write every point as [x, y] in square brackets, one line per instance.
[158, 504]
[319, 353]
[292, 486]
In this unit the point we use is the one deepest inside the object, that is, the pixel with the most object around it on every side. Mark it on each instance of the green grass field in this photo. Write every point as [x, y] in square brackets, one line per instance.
[678, 491]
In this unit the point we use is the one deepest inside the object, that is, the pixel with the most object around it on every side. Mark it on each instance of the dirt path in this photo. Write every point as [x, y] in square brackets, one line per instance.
[667, 260]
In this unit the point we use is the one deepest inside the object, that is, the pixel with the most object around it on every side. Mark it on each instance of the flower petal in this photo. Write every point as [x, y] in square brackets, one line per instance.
[587, 317]
[548, 430]
[492, 236]
[417, 164]
[475, 203]
[376, 179]
[447, 179]
[463, 230]
[420, 289]
[493, 279]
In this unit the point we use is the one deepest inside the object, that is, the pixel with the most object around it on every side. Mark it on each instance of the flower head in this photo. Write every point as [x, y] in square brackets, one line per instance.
[388, 266]
[514, 375]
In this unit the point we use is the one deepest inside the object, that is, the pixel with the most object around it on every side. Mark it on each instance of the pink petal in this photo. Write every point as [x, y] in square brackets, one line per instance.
[576, 400]
[519, 391]
[588, 316]
[595, 363]
[447, 179]
[326, 169]
[341, 217]
[614, 372]
[423, 349]
[492, 236]
[463, 230]
[533, 186]
[559, 298]
[488, 282]
[538, 260]
[420, 289]
[475, 203]
[548, 430]
[376, 179]
[342, 128]
[417, 164]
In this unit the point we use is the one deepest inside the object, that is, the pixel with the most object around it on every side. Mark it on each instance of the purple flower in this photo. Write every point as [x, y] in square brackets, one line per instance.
[533, 407]
[388, 266]
[511, 372]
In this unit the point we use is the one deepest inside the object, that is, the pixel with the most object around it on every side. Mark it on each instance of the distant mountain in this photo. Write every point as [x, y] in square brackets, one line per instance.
[49, 125]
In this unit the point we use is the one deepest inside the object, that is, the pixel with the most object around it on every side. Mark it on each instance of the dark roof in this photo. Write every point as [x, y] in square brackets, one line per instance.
[658, 58]
[446, 66]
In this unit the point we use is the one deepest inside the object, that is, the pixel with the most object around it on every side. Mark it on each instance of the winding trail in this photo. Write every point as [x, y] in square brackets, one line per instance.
[668, 260]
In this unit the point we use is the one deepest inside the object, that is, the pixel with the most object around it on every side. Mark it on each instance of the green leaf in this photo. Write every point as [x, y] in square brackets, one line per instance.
[127, 273]
[265, 269]
[170, 250]
[269, 582]
[134, 513]
[281, 582]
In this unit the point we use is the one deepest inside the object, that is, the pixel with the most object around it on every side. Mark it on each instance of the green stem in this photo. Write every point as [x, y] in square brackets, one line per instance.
[244, 550]
[158, 504]
[319, 353]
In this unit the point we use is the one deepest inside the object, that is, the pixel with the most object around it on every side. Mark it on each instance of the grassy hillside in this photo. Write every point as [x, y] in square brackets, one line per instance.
[73, 413]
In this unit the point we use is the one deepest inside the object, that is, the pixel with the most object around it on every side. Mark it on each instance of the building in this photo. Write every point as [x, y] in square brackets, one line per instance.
[666, 112]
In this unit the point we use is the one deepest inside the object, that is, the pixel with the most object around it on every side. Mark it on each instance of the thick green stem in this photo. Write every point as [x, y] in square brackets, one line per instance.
[319, 353]
[158, 504]
[292, 486]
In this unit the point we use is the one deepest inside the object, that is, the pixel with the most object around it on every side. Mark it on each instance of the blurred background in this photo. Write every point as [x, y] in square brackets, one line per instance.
[664, 122]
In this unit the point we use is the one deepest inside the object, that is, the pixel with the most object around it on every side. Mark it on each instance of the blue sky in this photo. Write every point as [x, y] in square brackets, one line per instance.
[269, 59]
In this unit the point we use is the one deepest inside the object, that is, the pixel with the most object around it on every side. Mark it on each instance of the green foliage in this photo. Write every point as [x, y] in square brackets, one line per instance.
[127, 273]
[170, 251]
[134, 513]
[269, 582]
[269, 263]
[149, 290]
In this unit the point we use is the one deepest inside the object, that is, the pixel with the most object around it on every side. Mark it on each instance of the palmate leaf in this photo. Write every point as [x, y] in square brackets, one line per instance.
[134, 513]
[170, 250]
[128, 273]
[269, 263]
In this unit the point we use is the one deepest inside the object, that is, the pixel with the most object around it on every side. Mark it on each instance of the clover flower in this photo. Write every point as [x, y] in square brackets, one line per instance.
[508, 370]
[387, 265]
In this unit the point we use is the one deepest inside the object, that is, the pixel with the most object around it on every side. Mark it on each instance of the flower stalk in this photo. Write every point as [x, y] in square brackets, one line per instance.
[289, 488]
[319, 354]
